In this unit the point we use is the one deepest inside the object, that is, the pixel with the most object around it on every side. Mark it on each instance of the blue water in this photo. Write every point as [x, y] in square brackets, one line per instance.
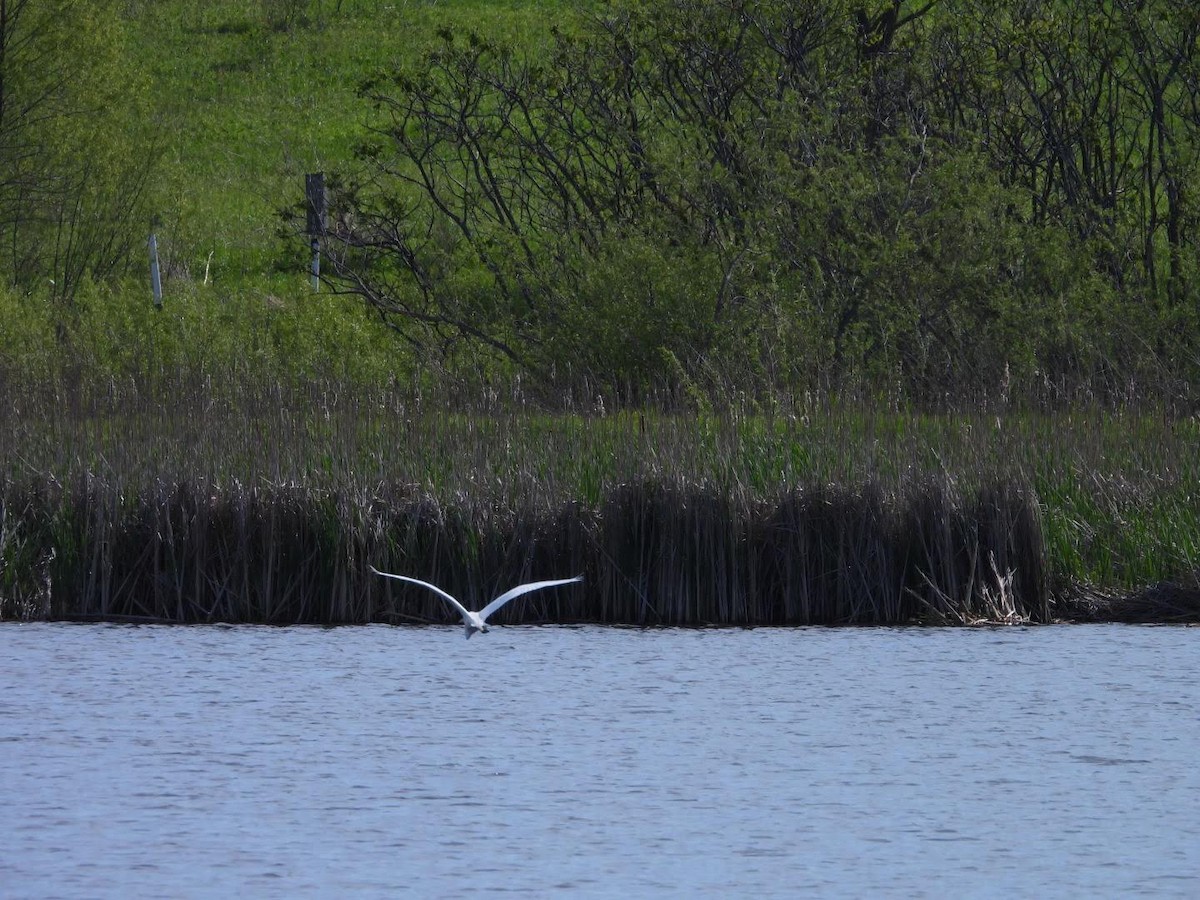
[208, 761]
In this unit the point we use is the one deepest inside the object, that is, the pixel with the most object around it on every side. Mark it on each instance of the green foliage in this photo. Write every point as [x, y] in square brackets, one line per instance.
[114, 333]
[695, 181]
[76, 145]
[968, 201]
[27, 345]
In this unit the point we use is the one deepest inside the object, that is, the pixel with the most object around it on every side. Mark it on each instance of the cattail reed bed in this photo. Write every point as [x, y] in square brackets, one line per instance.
[267, 504]
[653, 553]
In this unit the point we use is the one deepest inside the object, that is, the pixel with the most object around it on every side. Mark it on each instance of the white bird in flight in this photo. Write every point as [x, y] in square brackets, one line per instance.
[477, 621]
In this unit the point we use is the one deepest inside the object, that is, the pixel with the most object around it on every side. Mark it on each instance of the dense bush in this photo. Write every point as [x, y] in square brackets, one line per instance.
[77, 144]
[959, 198]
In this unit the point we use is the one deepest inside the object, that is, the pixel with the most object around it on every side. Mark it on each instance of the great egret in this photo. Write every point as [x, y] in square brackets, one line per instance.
[477, 621]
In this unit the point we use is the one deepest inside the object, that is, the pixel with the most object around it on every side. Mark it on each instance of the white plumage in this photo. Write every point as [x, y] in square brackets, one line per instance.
[477, 621]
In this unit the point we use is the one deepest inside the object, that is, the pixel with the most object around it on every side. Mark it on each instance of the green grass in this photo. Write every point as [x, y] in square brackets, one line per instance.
[249, 108]
[245, 110]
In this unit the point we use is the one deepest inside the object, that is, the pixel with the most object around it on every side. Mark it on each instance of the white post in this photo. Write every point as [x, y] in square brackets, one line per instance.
[316, 264]
[155, 278]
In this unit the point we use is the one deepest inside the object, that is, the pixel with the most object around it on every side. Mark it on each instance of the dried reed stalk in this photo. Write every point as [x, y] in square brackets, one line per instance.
[658, 552]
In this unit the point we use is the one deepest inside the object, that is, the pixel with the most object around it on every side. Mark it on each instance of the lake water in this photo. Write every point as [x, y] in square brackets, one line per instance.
[281, 762]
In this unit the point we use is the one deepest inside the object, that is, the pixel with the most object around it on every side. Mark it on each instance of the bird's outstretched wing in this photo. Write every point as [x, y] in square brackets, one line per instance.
[523, 589]
[433, 587]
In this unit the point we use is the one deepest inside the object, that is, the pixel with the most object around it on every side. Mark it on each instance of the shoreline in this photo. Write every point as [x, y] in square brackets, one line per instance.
[1166, 604]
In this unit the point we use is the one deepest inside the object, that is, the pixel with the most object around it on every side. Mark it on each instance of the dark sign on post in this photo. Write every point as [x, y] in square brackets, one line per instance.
[314, 193]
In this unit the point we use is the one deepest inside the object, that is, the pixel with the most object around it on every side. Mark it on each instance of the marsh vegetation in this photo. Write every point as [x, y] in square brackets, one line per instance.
[754, 312]
[269, 504]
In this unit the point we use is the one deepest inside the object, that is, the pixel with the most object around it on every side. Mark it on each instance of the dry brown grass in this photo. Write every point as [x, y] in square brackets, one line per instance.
[266, 503]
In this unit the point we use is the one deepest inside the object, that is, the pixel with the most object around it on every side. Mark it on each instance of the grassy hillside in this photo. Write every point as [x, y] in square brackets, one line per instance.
[255, 94]
[242, 98]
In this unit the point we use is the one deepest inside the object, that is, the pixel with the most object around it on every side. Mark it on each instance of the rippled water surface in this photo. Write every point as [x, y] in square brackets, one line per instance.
[197, 762]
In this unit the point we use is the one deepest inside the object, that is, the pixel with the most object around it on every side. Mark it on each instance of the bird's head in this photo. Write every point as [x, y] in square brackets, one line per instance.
[474, 626]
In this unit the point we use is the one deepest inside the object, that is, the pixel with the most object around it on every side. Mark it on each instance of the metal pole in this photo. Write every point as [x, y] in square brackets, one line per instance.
[314, 194]
[155, 277]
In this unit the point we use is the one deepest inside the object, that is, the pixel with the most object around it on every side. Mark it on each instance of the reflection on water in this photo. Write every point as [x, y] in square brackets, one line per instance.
[188, 761]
